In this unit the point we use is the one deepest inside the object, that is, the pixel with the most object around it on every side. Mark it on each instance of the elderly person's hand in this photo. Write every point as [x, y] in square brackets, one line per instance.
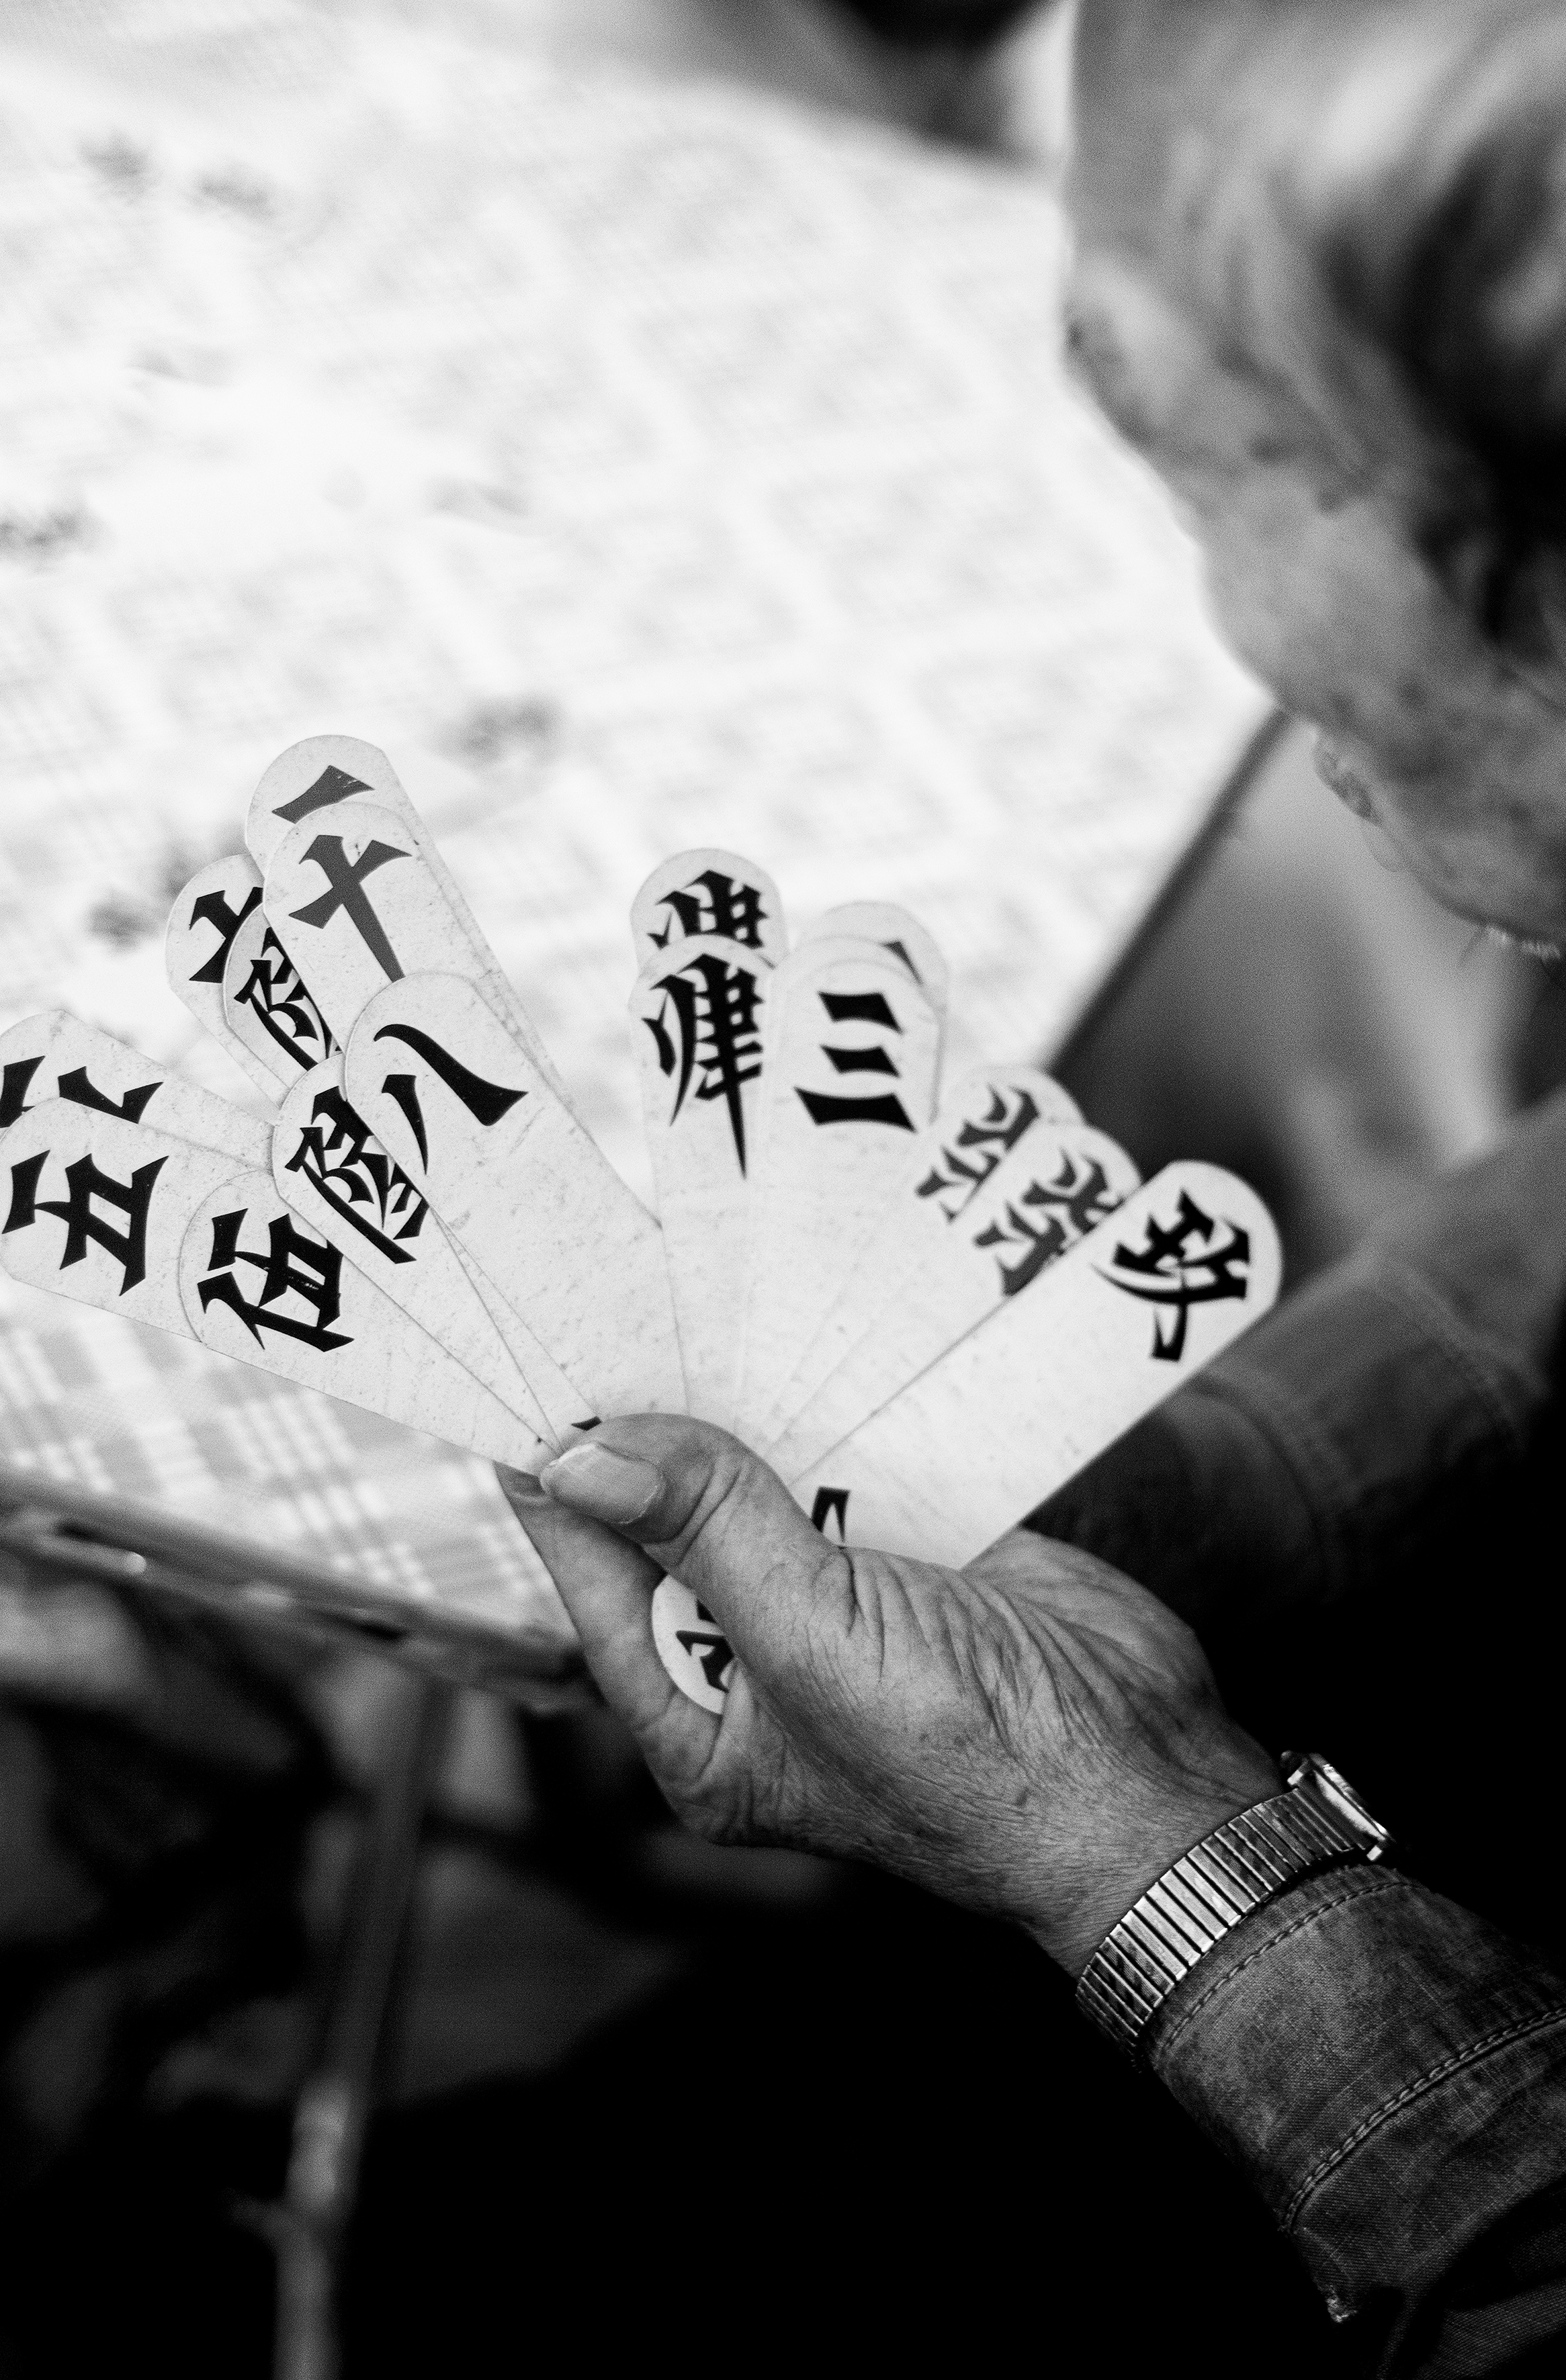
[1035, 1736]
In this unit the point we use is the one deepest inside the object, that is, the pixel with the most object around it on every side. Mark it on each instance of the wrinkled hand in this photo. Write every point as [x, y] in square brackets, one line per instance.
[1036, 1737]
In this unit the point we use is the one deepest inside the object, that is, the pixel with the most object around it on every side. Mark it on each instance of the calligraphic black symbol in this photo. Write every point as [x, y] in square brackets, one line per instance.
[24, 1191]
[718, 1655]
[404, 1089]
[14, 1083]
[296, 1268]
[486, 1103]
[75, 1086]
[872, 1061]
[344, 890]
[708, 1032]
[1057, 1215]
[338, 1155]
[334, 784]
[822, 1107]
[969, 1159]
[860, 1008]
[87, 1188]
[828, 1107]
[714, 904]
[215, 909]
[1177, 1267]
[274, 993]
[831, 1504]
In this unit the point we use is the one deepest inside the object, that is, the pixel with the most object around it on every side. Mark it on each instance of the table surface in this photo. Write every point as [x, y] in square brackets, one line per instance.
[642, 467]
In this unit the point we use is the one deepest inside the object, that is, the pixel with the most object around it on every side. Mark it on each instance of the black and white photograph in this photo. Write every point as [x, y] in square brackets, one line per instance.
[783, 1187]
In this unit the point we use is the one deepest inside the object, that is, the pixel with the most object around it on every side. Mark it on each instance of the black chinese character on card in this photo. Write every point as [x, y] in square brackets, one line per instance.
[707, 1036]
[273, 991]
[1180, 1265]
[216, 910]
[344, 890]
[14, 1086]
[708, 1647]
[359, 1181]
[74, 1085]
[873, 1058]
[967, 1164]
[713, 903]
[1048, 1219]
[334, 784]
[831, 1504]
[486, 1103]
[298, 1292]
[87, 1191]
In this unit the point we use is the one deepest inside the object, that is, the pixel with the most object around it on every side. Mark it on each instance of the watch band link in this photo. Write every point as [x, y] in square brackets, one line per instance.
[1242, 1865]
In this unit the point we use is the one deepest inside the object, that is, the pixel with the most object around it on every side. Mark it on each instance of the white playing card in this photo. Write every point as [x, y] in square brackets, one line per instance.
[312, 777]
[975, 1134]
[850, 1063]
[892, 929]
[119, 1215]
[511, 1173]
[96, 1207]
[691, 1645]
[323, 875]
[697, 1017]
[566, 1407]
[1020, 1224]
[55, 1056]
[339, 1180]
[1016, 1408]
[201, 926]
[259, 1287]
[359, 907]
[709, 891]
[996, 1192]
[268, 1007]
[356, 908]
[311, 780]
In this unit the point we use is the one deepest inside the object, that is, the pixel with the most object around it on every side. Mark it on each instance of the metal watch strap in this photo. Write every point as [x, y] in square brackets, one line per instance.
[1237, 1869]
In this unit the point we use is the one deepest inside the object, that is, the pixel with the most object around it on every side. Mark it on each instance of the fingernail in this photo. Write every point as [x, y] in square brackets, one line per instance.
[519, 1487]
[614, 1487]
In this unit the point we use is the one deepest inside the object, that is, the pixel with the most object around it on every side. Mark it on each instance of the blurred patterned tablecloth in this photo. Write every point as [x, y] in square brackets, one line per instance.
[641, 468]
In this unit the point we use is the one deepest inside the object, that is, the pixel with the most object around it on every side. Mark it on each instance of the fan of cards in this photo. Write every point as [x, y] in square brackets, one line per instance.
[927, 1304]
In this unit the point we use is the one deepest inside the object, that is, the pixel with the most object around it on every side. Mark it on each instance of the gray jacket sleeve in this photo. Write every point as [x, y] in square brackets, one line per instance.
[1387, 2067]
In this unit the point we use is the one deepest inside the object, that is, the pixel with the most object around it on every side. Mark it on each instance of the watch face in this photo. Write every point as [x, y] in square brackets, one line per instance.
[1339, 1794]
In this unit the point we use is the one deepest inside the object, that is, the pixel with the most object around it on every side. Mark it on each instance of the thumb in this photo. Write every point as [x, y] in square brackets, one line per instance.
[713, 1514]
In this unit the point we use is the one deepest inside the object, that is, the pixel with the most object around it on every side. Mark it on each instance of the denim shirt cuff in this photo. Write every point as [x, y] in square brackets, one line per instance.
[1388, 2070]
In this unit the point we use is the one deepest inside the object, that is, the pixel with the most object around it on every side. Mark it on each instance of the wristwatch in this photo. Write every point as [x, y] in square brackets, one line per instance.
[1319, 1821]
